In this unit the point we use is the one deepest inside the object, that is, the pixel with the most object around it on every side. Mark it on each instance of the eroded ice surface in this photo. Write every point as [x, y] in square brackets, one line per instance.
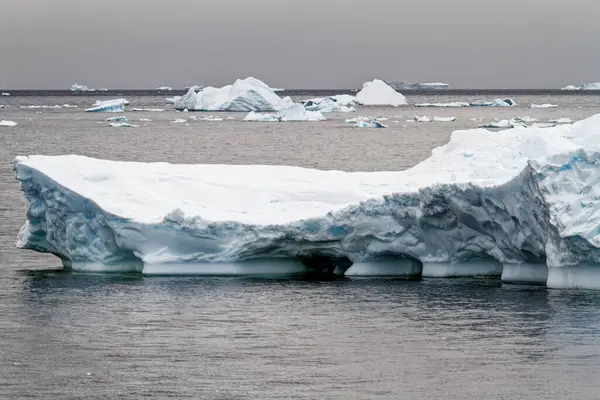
[524, 196]
[378, 93]
[248, 94]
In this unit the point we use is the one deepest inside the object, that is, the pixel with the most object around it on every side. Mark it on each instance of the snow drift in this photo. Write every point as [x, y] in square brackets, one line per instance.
[523, 202]
[248, 94]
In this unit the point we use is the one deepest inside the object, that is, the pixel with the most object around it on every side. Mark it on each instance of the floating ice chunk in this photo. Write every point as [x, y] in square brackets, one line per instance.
[101, 102]
[378, 93]
[494, 103]
[69, 106]
[504, 124]
[543, 125]
[44, 106]
[543, 105]
[451, 104]
[444, 119]
[365, 122]
[103, 90]
[339, 103]
[297, 112]
[248, 94]
[561, 121]
[278, 90]
[117, 119]
[116, 105]
[148, 109]
[179, 121]
[571, 88]
[526, 119]
[5, 94]
[261, 117]
[7, 123]
[207, 118]
[591, 86]
[230, 118]
[423, 118]
[164, 88]
[398, 85]
[122, 125]
[145, 120]
[4, 106]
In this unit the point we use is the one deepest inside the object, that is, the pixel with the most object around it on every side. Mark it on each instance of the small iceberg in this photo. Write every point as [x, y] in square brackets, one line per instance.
[295, 113]
[248, 94]
[571, 88]
[423, 118]
[495, 103]
[561, 121]
[339, 103]
[116, 105]
[69, 106]
[36, 107]
[543, 105]
[122, 125]
[179, 121]
[278, 90]
[4, 106]
[7, 123]
[117, 119]
[81, 88]
[378, 93]
[145, 120]
[504, 124]
[366, 122]
[5, 94]
[444, 119]
[164, 89]
[526, 119]
[148, 109]
[451, 104]
[209, 118]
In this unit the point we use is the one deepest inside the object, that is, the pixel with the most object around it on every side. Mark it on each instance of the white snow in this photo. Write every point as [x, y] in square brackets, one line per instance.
[591, 86]
[378, 93]
[543, 105]
[164, 88]
[7, 123]
[525, 196]
[116, 105]
[297, 112]
[451, 104]
[248, 94]
[5, 94]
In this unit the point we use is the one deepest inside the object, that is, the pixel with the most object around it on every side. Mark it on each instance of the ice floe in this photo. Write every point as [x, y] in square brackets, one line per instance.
[116, 105]
[543, 106]
[450, 104]
[122, 125]
[8, 123]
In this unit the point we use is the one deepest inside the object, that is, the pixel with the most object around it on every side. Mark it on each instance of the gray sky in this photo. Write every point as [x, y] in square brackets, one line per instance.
[49, 44]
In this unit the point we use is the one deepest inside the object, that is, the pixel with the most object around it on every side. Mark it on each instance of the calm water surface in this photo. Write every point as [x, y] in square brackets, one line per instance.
[86, 336]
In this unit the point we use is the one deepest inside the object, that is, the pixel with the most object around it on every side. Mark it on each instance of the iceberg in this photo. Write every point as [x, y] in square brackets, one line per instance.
[561, 121]
[5, 94]
[116, 105]
[444, 119]
[571, 88]
[248, 94]
[117, 119]
[494, 103]
[533, 217]
[7, 123]
[122, 125]
[164, 89]
[366, 122]
[543, 106]
[148, 109]
[399, 85]
[295, 113]
[591, 86]
[451, 104]
[179, 121]
[378, 93]
[423, 118]
[339, 103]
[81, 88]
[504, 124]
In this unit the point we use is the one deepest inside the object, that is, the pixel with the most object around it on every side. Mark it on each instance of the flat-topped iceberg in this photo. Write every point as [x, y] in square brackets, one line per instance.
[248, 94]
[522, 203]
[378, 93]
[295, 113]
[399, 85]
[591, 86]
[116, 105]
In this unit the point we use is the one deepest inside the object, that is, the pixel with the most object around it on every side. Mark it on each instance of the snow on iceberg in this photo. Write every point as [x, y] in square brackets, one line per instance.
[533, 217]
[543, 105]
[7, 123]
[591, 86]
[297, 112]
[116, 105]
[248, 94]
[378, 93]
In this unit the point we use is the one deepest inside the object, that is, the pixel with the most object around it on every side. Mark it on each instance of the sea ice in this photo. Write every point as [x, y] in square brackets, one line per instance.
[172, 100]
[116, 105]
[543, 106]
[452, 214]
[444, 119]
[451, 104]
[7, 123]
[366, 122]
[179, 121]
[248, 94]
[571, 88]
[378, 93]
[145, 120]
[423, 118]
[122, 125]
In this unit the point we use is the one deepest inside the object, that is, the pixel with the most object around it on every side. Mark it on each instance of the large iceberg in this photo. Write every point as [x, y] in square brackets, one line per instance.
[116, 105]
[295, 113]
[378, 93]
[399, 85]
[523, 203]
[248, 94]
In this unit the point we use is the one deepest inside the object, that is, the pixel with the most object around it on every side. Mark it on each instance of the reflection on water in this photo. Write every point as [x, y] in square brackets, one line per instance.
[295, 338]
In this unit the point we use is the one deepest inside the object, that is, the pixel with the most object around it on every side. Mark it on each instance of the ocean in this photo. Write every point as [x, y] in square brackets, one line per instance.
[67, 335]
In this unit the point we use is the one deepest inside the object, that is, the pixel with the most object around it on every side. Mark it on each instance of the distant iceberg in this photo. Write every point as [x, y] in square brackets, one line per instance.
[378, 93]
[8, 123]
[278, 90]
[451, 104]
[591, 86]
[543, 106]
[339, 103]
[122, 125]
[116, 105]
[248, 94]
[164, 88]
[399, 85]
[366, 122]
[571, 88]
[5, 94]
[295, 113]
[81, 88]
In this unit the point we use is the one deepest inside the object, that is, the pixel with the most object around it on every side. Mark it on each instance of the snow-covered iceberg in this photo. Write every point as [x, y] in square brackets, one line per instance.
[116, 105]
[399, 85]
[378, 93]
[248, 94]
[295, 113]
[8, 123]
[522, 203]
[338, 103]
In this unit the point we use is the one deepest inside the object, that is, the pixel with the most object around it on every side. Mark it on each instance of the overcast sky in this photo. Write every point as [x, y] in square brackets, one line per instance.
[49, 44]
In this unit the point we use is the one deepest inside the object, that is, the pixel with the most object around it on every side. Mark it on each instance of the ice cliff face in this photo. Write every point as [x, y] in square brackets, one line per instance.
[248, 94]
[522, 202]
